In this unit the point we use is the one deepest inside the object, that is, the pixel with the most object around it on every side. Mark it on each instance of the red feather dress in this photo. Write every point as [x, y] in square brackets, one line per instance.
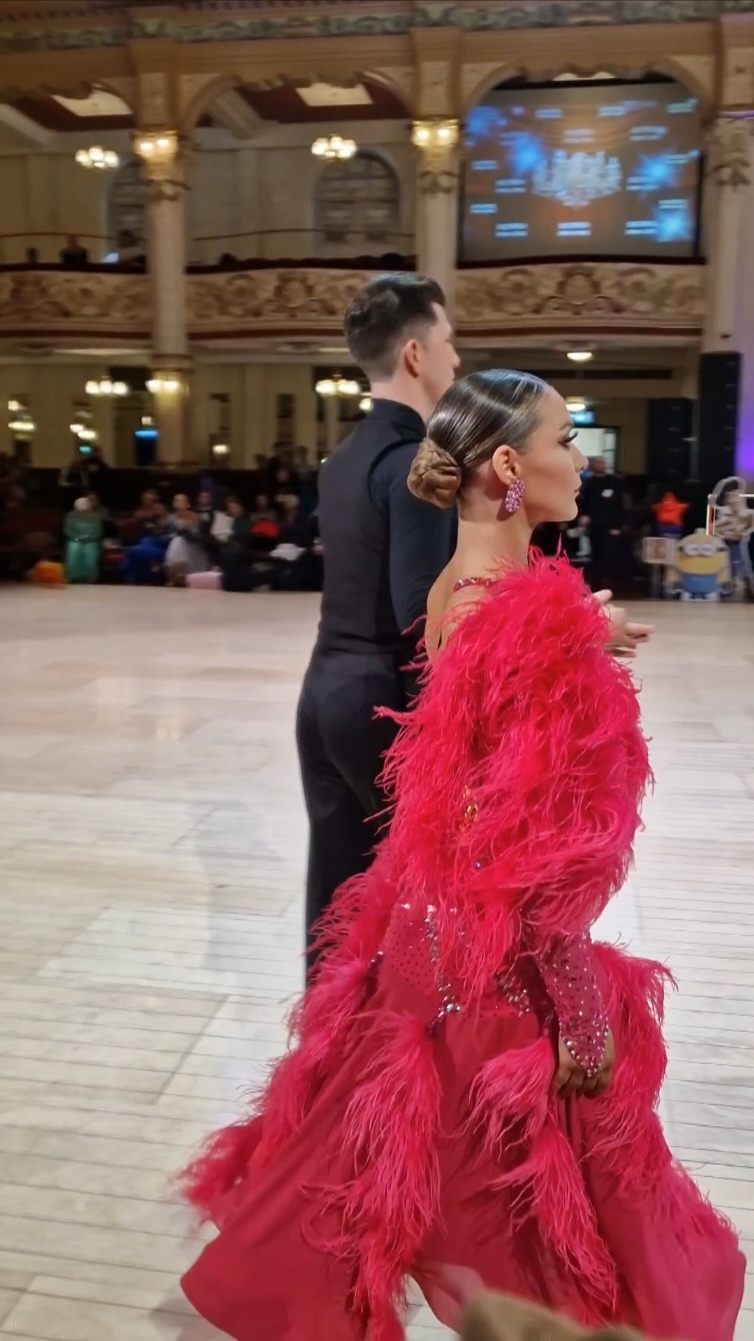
[411, 1130]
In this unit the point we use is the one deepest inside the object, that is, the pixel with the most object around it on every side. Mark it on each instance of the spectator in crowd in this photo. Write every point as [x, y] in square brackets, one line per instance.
[144, 559]
[86, 471]
[307, 480]
[187, 552]
[32, 255]
[286, 488]
[83, 535]
[237, 557]
[74, 254]
[603, 516]
[129, 250]
[240, 519]
[263, 511]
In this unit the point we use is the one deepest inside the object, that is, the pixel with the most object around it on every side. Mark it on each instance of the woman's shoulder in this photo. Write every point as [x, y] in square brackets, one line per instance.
[547, 603]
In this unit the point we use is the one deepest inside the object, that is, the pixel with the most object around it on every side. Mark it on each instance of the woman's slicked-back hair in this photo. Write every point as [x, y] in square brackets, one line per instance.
[478, 414]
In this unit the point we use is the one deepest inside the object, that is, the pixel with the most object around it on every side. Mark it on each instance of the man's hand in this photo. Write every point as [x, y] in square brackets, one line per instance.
[624, 635]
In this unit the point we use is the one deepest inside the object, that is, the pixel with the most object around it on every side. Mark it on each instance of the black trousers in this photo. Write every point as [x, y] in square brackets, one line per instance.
[341, 748]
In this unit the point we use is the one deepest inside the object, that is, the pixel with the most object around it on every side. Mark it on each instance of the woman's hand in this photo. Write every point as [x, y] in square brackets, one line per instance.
[624, 635]
[571, 1080]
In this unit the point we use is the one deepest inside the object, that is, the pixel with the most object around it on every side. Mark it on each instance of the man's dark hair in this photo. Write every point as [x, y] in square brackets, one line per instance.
[386, 313]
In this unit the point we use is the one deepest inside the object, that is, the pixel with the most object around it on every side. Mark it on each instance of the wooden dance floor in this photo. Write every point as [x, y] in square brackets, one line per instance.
[152, 846]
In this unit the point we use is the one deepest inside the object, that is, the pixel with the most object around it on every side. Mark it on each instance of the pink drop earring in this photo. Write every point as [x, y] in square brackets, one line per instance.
[514, 497]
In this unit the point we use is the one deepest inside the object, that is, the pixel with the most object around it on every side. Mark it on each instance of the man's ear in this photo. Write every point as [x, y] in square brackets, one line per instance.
[410, 357]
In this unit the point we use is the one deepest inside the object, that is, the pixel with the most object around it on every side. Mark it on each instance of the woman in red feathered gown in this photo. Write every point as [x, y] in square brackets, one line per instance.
[470, 1094]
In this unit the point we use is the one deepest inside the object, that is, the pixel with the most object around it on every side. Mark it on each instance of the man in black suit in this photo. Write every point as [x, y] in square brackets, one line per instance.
[383, 550]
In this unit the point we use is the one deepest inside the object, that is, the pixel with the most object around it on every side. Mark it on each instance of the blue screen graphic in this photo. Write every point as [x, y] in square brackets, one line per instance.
[606, 169]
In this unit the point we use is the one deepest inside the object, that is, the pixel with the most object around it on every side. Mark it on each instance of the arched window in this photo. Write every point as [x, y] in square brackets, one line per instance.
[357, 201]
[127, 205]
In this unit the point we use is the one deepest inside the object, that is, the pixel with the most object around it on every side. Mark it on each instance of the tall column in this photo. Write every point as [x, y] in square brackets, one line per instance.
[437, 182]
[729, 176]
[729, 326]
[164, 163]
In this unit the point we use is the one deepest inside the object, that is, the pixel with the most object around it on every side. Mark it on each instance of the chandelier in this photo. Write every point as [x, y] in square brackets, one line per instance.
[105, 387]
[333, 147]
[338, 386]
[97, 157]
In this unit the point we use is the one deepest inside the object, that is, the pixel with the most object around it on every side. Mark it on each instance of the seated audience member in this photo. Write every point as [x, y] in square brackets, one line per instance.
[286, 488]
[144, 559]
[298, 554]
[83, 535]
[237, 557]
[187, 551]
[74, 254]
[239, 518]
[109, 529]
[307, 481]
[265, 525]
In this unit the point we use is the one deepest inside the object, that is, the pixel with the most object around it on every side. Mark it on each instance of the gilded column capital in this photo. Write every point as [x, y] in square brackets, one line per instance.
[437, 143]
[729, 151]
[165, 158]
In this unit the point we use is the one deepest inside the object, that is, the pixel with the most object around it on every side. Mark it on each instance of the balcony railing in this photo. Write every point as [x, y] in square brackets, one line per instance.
[500, 303]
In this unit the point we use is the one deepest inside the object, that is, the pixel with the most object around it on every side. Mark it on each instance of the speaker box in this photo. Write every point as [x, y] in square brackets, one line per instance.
[717, 423]
[669, 428]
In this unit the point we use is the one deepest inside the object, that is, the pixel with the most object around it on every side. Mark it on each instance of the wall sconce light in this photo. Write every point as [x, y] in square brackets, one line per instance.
[163, 383]
[220, 449]
[580, 355]
[20, 421]
[160, 148]
[439, 134]
[82, 432]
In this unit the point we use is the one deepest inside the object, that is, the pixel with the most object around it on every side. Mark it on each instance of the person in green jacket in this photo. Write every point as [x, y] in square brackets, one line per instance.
[83, 534]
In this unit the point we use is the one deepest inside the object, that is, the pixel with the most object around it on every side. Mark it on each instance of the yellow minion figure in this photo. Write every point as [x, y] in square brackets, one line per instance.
[703, 566]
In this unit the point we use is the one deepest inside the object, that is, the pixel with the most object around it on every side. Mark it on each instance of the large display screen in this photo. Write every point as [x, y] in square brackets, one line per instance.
[600, 169]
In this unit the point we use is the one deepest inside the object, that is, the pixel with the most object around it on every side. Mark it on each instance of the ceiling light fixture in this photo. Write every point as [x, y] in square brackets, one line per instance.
[580, 355]
[333, 147]
[575, 405]
[106, 387]
[337, 386]
[97, 157]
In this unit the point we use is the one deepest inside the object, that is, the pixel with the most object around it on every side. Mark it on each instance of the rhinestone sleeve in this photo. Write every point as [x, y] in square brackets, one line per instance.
[567, 969]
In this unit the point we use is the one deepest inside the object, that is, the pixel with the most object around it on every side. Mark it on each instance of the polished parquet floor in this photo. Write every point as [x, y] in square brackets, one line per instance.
[152, 844]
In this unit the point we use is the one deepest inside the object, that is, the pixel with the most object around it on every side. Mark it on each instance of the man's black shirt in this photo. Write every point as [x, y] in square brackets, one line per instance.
[383, 548]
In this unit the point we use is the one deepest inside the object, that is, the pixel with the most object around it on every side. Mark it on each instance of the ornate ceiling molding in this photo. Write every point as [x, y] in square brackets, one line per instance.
[65, 25]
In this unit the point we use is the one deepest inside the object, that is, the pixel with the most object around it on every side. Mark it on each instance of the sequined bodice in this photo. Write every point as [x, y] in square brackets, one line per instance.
[559, 984]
